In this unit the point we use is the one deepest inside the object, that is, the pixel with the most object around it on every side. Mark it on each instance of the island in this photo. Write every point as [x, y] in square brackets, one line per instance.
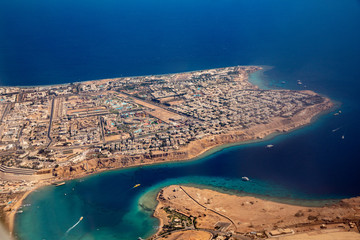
[50, 134]
[186, 211]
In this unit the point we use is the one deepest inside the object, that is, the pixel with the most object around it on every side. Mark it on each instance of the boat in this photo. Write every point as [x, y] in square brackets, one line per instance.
[137, 185]
[245, 179]
[334, 130]
[81, 218]
[343, 137]
[283, 82]
[269, 146]
[59, 184]
[299, 82]
[337, 113]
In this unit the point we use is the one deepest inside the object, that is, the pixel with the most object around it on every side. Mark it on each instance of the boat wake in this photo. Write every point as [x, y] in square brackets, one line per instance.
[336, 129]
[74, 226]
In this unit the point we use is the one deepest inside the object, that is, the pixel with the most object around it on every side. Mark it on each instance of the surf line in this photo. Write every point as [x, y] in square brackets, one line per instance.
[74, 225]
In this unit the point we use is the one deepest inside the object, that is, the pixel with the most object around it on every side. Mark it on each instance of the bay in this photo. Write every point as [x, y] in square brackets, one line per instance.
[50, 42]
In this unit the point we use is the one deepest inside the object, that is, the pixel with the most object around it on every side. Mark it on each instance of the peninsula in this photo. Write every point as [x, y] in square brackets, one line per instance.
[50, 134]
[207, 214]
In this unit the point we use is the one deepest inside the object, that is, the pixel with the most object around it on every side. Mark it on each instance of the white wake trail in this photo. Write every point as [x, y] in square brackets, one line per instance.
[74, 225]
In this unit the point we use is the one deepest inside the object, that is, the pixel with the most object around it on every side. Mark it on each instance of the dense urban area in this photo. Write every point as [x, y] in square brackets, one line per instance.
[52, 126]
[49, 134]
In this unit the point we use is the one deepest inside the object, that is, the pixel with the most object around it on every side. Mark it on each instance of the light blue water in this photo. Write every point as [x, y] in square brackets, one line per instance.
[316, 41]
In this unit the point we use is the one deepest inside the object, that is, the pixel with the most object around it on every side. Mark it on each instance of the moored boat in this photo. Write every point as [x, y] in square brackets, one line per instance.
[59, 184]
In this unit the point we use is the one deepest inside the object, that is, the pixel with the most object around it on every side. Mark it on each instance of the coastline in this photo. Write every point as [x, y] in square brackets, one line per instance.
[122, 77]
[191, 152]
[246, 214]
[196, 149]
[10, 216]
[9, 213]
[205, 151]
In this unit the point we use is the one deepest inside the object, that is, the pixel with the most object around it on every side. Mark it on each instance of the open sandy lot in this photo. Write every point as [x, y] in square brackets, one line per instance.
[189, 235]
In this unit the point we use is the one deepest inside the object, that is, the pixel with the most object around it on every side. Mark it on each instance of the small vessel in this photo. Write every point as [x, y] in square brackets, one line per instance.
[283, 82]
[137, 185]
[299, 82]
[59, 184]
[269, 146]
[81, 218]
[334, 130]
[20, 211]
[343, 137]
[245, 179]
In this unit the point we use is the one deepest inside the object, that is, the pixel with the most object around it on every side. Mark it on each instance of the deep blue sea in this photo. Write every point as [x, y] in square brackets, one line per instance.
[46, 42]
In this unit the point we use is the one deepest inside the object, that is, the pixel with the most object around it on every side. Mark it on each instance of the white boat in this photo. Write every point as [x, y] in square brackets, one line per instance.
[343, 137]
[269, 146]
[299, 82]
[334, 130]
[245, 179]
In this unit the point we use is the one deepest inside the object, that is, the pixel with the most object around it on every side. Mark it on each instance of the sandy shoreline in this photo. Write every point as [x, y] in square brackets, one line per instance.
[10, 216]
[196, 153]
[245, 214]
[9, 212]
[193, 151]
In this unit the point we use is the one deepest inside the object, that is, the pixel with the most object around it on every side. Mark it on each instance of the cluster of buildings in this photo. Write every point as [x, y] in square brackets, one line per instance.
[55, 125]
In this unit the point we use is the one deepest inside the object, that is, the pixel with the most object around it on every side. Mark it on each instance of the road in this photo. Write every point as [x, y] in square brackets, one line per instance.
[209, 208]
[50, 123]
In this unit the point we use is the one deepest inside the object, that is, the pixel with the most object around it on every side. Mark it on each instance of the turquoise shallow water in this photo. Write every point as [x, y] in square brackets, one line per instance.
[123, 212]
[316, 41]
[112, 209]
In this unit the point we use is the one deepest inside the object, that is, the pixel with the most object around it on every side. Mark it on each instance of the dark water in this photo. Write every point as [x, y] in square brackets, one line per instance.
[318, 42]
